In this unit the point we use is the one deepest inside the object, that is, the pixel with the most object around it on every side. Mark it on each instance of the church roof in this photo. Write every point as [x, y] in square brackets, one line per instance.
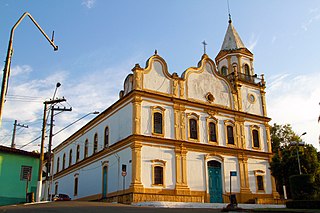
[232, 40]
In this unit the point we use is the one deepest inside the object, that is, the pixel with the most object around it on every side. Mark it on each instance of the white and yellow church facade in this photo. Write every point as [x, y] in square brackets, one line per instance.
[176, 138]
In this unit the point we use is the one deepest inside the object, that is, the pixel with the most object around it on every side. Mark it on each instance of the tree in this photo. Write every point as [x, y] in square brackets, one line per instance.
[282, 135]
[285, 162]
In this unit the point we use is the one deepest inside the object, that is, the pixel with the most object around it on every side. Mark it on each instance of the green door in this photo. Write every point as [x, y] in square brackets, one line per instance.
[215, 184]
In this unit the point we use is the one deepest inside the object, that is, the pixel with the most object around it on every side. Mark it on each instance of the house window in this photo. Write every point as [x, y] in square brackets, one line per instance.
[86, 144]
[26, 172]
[58, 163]
[106, 137]
[78, 153]
[157, 123]
[70, 157]
[260, 184]
[193, 128]
[158, 172]
[56, 188]
[212, 132]
[158, 175]
[95, 143]
[224, 71]
[255, 137]
[157, 113]
[230, 135]
[75, 190]
[64, 161]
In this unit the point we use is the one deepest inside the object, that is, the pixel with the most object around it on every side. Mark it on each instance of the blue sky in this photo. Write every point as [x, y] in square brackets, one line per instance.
[100, 41]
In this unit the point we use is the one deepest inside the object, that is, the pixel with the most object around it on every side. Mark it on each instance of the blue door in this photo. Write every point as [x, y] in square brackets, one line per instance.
[215, 184]
[104, 182]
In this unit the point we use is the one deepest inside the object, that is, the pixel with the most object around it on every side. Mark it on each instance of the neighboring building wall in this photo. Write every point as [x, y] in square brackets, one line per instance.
[12, 188]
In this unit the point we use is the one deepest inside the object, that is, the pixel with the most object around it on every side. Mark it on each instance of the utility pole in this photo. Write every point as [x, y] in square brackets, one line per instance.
[50, 167]
[13, 145]
[43, 135]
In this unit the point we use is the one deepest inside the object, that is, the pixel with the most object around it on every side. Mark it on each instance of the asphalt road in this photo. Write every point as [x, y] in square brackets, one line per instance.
[94, 207]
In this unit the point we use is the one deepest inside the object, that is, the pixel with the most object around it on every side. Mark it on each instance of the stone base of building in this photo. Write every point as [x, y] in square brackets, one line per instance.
[150, 195]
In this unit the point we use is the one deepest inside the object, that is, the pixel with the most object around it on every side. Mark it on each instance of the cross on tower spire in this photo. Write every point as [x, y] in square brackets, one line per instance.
[204, 47]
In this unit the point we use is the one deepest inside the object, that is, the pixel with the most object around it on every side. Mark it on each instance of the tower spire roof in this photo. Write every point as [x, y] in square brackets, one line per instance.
[232, 40]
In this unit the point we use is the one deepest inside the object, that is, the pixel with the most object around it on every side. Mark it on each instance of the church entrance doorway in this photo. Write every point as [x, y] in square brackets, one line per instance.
[215, 181]
[104, 181]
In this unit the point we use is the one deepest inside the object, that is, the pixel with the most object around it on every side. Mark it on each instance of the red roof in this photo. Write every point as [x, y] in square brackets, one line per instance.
[18, 151]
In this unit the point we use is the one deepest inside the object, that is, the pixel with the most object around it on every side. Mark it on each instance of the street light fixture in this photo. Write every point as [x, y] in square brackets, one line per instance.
[6, 70]
[297, 144]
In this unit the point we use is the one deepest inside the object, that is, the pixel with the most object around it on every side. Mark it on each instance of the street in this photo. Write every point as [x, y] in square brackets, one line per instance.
[96, 207]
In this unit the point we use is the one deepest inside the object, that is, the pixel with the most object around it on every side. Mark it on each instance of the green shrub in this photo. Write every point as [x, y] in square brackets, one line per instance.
[302, 187]
[303, 204]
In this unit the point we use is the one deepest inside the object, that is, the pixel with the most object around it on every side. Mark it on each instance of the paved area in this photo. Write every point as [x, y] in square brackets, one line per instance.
[96, 207]
[205, 205]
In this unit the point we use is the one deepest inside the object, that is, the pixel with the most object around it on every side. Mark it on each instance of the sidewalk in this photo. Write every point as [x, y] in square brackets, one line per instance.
[160, 204]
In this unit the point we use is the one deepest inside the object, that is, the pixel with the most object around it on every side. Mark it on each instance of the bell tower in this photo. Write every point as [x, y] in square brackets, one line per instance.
[234, 57]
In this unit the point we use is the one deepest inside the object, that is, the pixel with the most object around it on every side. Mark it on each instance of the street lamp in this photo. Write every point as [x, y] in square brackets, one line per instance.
[297, 144]
[43, 134]
[6, 70]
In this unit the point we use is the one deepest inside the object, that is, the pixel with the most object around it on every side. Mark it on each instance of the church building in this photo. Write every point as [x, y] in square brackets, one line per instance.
[192, 138]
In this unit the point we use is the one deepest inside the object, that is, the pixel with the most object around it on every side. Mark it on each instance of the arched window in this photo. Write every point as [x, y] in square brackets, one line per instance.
[230, 135]
[58, 163]
[212, 132]
[157, 123]
[64, 161]
[86, 144]
[70, 157]
[193, 128]
[78, 153]
[255, 138]
[246, 70]
[95, 143]
[224, 71]
[158, 175]
[106, 137]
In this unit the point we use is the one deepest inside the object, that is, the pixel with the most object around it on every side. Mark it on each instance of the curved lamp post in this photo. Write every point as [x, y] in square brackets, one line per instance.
[6, 70]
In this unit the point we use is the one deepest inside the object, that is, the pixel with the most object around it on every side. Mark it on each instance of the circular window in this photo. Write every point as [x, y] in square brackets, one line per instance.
[251, 98]
[209, 97]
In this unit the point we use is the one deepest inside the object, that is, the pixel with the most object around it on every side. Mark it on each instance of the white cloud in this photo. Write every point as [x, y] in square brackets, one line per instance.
[18, 70]
[88, 3]
[252, 42]
[295, 100]
[315, 17]
[88, 92]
